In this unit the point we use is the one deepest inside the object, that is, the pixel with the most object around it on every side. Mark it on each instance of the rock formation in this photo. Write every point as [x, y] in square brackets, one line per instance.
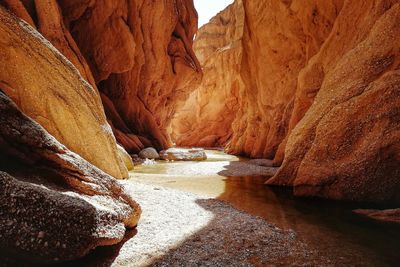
[347, 145]
[319, 95]
[50, 90]
[205, 119]
[140, 53]
[54, 205]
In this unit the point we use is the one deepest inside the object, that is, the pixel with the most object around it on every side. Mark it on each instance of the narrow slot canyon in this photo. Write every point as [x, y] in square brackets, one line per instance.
[199, 133]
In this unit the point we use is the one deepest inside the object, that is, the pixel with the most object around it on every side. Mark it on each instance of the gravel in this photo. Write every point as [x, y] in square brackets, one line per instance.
[183, 229]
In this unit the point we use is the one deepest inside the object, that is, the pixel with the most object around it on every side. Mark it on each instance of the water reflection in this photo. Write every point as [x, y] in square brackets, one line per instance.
[328, 226]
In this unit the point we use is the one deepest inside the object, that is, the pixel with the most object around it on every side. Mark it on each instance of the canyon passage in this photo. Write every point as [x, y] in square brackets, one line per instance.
[130, 136]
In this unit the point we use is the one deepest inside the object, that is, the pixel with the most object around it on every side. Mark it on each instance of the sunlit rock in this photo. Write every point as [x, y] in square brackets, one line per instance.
[181, 154]
[205, 119]
[49, 89]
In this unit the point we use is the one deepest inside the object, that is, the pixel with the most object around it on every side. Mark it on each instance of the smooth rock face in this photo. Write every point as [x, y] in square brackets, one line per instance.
[347, 145]
[149, 153]
[140, 53]
[50, 90]
[205, 119]
[54, 205]
[180, 154]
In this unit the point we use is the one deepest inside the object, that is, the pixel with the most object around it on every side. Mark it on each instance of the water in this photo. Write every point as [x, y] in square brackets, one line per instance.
[327, 226]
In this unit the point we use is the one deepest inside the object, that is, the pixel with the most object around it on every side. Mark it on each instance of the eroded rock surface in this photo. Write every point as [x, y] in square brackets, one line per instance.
[55, 206]
[205, 119]
[137, 53]
[50, 90]
[347, 145]
[320, 94]
[143, 63]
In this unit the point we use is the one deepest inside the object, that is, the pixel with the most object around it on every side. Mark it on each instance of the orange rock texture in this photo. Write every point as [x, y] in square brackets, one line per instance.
[320, 94]
[137, 53]
[347, 145]
[50, 90]
[280, 37]
[206, 117]
[141, 57]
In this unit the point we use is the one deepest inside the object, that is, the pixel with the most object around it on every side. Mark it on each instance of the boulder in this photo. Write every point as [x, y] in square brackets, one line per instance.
[54, 205]
[149, 153]
[180, 154]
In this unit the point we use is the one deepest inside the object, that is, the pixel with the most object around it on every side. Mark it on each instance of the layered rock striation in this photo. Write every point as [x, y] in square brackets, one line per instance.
[57, 202]
[206, 117]
[347, 145]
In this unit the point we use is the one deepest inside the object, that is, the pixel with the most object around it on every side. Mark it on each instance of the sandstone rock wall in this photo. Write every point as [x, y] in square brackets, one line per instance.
[320, 95]
[205, 119]
[137, 53]
[347, 145]
[280, 37]
[49, 89]
[140, 53]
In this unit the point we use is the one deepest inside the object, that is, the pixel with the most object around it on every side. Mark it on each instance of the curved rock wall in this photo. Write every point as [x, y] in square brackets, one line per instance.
[279, 39]
[49, 89]
[137, 53]
[141, 56]
[347, 145]
[205, 119]
[320, 95]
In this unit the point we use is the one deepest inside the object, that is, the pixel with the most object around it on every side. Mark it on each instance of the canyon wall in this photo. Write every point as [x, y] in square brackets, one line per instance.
[137, 54]
[280, 37]
[49, 89]
[141, 57]
[320, 95]
[347, 145]
[205, 119]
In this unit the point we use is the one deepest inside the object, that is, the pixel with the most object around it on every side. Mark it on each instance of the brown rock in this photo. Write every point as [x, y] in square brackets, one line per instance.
[205, 119]
[50, 90]
[54, 205]
[347, 145]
